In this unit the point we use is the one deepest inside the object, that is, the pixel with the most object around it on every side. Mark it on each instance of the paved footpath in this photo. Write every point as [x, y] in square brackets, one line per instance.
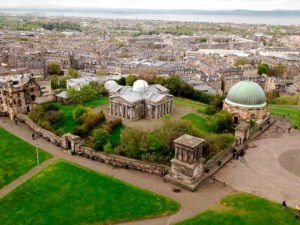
[192, 203]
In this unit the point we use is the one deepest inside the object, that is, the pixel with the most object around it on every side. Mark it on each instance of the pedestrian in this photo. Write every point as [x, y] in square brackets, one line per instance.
[289, 130]
[284, 206]
[32, 136]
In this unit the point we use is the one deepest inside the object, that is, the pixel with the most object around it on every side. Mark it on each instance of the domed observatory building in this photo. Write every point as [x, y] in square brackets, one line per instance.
[140, 101]
[246, 101]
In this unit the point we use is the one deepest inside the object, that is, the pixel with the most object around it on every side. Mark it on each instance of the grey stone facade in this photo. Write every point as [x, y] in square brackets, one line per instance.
[187, 165]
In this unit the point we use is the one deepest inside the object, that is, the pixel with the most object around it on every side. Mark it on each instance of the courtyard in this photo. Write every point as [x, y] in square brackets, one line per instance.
[270, 167]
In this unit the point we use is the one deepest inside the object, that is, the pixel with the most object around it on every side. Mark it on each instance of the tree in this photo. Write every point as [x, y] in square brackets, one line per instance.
[220, 122]
[276, 71]
[173, 84]
[241, 62]
[263, 68]
[73, 73]
[122, 81]
[79, 113]
[130, 80]
[54, 68]
[132, 142]
[100, 138]
[85, 94]
[159, 80]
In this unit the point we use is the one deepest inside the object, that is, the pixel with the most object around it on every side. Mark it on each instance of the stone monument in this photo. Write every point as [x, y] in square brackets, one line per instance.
[187, 166]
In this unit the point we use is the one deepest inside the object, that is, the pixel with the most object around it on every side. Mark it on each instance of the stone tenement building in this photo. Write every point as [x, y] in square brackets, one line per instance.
[17, 94]
[246, 101]
[140, 101]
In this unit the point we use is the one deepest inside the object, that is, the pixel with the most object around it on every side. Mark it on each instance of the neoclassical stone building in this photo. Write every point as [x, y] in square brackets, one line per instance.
[246, 101]
[140, 101]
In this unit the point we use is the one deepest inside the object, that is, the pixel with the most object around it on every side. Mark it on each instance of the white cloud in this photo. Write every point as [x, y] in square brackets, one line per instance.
[159, 4]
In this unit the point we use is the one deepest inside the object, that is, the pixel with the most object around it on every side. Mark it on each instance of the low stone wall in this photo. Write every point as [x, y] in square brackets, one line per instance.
[115, 160]
[124, 162]
[39, 130]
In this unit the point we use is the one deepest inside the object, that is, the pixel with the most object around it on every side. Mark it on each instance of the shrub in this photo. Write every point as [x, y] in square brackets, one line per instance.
[130, 80]
[90, 122]
[220, 122]
[51, 106]
[108, 148]
[100, 138]
[79, 113]
[85, 94]
[210, 110]
[111, 125]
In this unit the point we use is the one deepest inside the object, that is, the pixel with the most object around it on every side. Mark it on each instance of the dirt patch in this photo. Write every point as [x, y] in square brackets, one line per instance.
[290, 160]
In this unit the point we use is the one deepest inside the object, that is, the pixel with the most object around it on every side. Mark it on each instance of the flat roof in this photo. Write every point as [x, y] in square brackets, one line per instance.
[189, 140]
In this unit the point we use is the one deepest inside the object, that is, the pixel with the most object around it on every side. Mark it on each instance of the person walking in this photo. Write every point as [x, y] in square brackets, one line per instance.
[33, 136]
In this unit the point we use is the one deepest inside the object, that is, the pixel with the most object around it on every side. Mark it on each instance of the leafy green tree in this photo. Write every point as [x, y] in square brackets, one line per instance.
[130, 80]
[122, 81]
[79, 113]
[100, 138]
[159, 80]
[73, 73]
[132, 142]
[263, 68]
[173, 84]
[54, 68]
[220, 122]
[85, 94]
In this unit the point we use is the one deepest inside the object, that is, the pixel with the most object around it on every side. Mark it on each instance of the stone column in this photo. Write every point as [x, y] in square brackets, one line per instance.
[168, 107]
[131, 116]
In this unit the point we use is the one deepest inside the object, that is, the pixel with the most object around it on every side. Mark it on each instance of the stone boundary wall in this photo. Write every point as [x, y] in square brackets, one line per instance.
[115, 160]
[123, 162]
[39, 130]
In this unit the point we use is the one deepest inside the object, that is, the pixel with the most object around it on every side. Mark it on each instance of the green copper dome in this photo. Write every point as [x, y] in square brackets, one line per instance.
[246, 94]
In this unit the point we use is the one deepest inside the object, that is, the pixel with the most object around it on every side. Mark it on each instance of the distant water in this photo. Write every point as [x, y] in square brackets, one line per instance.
[239, 16]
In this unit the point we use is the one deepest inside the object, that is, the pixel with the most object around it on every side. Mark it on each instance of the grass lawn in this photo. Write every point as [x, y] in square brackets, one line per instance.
[197, 121]
[201, 107]
[16, 157]
[116, 135]
[96, 102]
[68, 194]
[293, 111]
[244, 209]
[68, 124]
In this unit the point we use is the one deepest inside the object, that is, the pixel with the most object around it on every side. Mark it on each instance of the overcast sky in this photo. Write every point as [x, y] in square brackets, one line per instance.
[158, 4]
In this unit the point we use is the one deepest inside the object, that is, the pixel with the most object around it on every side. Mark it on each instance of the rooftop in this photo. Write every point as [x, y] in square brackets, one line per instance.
[189, 141]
